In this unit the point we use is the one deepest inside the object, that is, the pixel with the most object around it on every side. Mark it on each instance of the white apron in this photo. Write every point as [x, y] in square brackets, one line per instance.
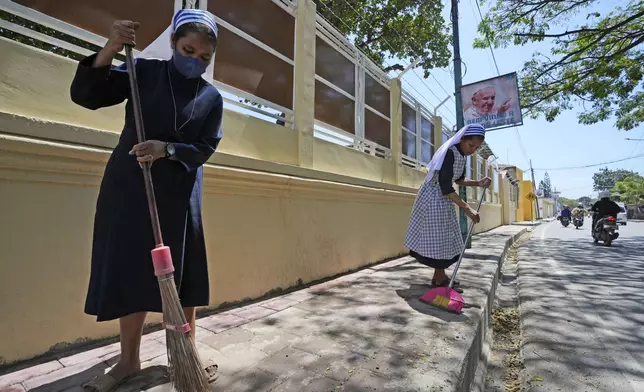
[434, 230]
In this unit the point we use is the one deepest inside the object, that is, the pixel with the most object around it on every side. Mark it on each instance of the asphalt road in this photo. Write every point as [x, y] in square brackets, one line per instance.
[582, 310]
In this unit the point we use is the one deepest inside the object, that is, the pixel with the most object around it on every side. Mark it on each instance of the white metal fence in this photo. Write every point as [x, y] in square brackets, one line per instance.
[366, 98]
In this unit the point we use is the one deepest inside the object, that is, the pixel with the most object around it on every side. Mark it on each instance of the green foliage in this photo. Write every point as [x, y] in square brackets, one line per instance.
[596, 63]
[605, 179]
[630, 190]
[385, 29]
[545, 187]
[572, 203]
[585, 200]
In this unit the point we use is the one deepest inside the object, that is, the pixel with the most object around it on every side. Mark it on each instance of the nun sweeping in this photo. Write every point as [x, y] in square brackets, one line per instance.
[182, 114]
[434, 237]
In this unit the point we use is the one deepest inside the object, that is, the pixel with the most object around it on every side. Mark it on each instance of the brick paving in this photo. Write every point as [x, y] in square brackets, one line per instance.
[363, 331]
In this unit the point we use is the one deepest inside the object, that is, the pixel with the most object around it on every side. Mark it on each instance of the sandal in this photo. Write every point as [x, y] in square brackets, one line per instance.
[104, 383]
[211, 373]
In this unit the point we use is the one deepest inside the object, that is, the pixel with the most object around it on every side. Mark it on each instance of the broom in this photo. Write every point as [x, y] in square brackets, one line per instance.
[186, 372]
[446, 297]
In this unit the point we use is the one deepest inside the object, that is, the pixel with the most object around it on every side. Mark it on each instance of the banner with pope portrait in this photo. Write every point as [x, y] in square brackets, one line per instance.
[493, 103]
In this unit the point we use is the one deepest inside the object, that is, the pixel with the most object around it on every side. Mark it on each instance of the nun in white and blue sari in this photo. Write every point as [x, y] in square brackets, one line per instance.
[182, 114]
[434, 236]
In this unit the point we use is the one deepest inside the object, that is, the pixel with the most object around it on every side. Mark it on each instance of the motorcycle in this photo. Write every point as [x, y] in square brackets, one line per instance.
[578, 222]
[606, 230]
[565, 221]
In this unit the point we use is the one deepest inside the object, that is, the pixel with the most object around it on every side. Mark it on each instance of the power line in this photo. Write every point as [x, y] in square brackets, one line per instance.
[489, 59]
[487, 37]
[637, 144]
[498, 73]
[592, 165]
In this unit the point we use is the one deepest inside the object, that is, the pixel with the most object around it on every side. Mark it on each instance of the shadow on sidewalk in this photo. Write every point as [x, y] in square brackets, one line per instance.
[148, 378]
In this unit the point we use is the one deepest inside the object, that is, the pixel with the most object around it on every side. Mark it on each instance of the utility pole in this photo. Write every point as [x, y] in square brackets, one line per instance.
[460, 122]
[534, 190]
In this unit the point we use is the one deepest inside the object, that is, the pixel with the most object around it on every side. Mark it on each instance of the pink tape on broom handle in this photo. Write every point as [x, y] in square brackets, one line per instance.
[467, 239]
[140, 133]
[162, 261]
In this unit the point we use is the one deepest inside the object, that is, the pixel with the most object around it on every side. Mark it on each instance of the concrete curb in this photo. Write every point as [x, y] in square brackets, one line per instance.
[476, 361]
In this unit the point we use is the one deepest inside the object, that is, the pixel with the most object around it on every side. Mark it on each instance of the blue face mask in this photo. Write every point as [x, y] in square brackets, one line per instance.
[189, 67]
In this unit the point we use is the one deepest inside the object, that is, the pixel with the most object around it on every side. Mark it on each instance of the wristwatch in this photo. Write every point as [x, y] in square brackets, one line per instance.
[169, 150]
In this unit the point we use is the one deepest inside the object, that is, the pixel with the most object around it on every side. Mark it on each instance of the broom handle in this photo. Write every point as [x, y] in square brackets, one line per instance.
[467, 239]
[140, 133]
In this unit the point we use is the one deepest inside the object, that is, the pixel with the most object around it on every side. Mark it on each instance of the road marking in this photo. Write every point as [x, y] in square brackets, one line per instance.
[545, 229]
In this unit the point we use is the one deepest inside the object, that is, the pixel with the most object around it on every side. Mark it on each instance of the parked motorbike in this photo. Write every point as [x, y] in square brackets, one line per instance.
[578, 222]
[606, 230]
[565, 221]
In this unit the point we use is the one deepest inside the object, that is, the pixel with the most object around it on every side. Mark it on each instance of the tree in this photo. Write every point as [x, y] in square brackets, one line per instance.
[605, 178]
[385, 29]
[630, 190]
[545, 187]
[585, 200]
[595, 58]
[569, 202]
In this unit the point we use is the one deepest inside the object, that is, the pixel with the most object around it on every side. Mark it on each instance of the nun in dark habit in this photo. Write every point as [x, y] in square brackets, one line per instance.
[182, 114]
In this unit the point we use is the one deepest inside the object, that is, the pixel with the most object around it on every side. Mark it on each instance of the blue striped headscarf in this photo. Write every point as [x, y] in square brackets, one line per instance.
[439, 157]
[194, 16]
[474, 130]
[161, 49]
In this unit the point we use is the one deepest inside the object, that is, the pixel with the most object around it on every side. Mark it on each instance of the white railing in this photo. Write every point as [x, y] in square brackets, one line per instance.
[234, 99]
[250, 104]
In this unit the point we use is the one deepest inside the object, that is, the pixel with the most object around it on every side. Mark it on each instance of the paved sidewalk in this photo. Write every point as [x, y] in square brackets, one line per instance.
[364, 331]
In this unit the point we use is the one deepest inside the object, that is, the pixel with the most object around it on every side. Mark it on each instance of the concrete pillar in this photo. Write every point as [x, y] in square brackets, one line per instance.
[504, 194]
[483, 175]
[438, 132]
[304, 79]
[396, 129]
[475, 169]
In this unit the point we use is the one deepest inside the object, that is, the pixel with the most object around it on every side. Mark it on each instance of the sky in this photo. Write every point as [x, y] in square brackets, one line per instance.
[562, 143]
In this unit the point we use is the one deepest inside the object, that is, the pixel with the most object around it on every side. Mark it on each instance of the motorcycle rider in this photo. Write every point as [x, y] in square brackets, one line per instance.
[566, 213]
[579, 212]
[602, 208]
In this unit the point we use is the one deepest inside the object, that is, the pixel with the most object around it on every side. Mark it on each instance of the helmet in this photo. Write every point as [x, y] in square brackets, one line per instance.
[566, 206]
[604, 194]
[580, 205]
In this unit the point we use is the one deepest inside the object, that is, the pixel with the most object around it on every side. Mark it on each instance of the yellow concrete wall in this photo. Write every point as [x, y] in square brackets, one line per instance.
[299, 229]
[411, 178]
[332, 158]
[35, 83]
[526, 207]
[490, 217]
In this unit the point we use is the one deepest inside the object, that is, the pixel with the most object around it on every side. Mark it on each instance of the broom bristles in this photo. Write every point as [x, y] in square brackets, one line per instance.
[186, 372]
[441, 301]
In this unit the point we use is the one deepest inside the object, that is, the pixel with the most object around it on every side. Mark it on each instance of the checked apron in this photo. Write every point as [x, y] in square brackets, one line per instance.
[434, 231]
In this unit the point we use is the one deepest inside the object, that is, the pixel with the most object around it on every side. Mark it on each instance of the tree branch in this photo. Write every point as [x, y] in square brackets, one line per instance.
[556, 35]
[395, 67]
[592, 43]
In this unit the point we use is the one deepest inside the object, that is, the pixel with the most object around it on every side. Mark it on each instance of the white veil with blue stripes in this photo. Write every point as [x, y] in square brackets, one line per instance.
[439, 157]
[160, 48]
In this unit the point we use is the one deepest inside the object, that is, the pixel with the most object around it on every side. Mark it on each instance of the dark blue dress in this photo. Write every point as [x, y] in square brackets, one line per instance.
[122, 278]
